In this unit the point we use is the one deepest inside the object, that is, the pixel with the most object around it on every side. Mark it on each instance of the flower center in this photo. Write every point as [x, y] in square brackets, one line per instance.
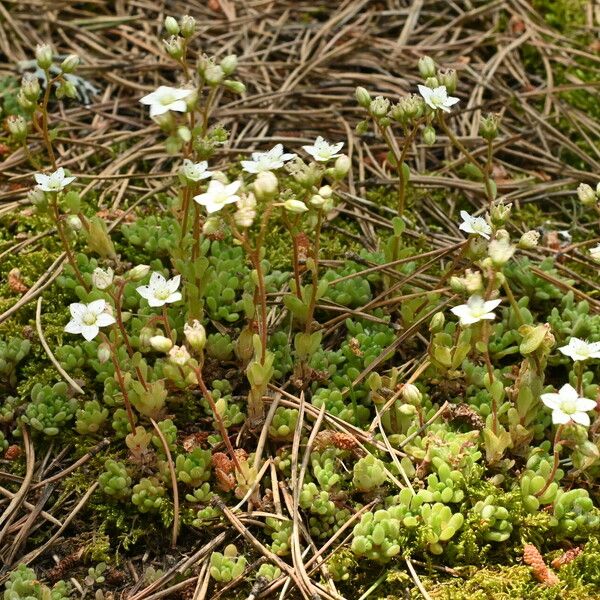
[167, 99]
[162, 293]
[568, 407]
[89, 318]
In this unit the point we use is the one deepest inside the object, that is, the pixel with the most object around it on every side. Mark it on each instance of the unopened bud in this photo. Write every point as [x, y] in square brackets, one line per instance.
[66, 89]
[295, 206]
[317, 201]
[325, 191]
[229, 64]
[437, 322]
[266, 185]
[102, 279]
[160, 343]
[171, 26]
[195, 334]
[586, 194]
[138, 272]
[410, 393]
[103, 353]
[426, 67]
[432, 82]
[211, 226]
[188, 26]
[70, 64]
[499, 213]
[74, 223]
[24, 102]
[237, 87]
[362, 97]
[43, 56]
[341, 166]
[429, 135]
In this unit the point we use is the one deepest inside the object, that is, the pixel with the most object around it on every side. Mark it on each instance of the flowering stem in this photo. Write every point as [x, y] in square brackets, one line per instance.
[557, 435]
[486, 178]
[315, 274]
[513, 302]
[579, 370]
[165, 317]
[220, 425]
[121, 381]
[185, 208]
[65, 242]
[44, 110]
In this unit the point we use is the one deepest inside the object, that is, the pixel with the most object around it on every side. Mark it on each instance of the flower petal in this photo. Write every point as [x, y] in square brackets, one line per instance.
[104, 320]
[97, 306]
[551, 400]
[581, 418]
[89, 332]
[586, 404]
[559, 417]
[73, 327]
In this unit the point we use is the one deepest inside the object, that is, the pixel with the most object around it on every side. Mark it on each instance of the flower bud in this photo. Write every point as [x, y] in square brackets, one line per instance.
[437, 322]
[17, 127]
[188, 26]
[184, 133]
[214, 75]
[74, 223]
[160, 343]
[174, 47]
[211, 226]
[317, 200]
[432, 82]
[246, 210]
[586, 194]
[30, 87]
[341, 166]
[138, 272]
[237, 87]
[595, 253]
[410, 393]
[179, 355]
[295, 206]
[103, 353]
[426, 67]
[171, 26]
[429, 135]
[102, 279]
[325, 191]
[229, 64]
[66, 89]
[24, 102]
[488, 127]
[499, 213]
[449, 78]
[379, 107]
[43, 56]
[457, 284]
[529, 240]
[195, 334]
[500, 251]
[266, 186]
[362, 97]
[70, 64]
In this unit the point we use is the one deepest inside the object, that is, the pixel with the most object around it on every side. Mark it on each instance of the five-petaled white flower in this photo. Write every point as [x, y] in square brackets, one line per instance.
[218, 195]
[579, 350]
[595, 253]
[475, 225]
[166, 98]
[437, 97]
[475, 310]
[568, 405]
[55, 182]
[267, 161]
[195, 171]
[322, 151]
[160, 291]
[86, 319]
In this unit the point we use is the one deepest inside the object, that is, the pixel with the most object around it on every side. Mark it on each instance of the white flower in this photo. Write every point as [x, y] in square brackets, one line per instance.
[475, 310]
[165, 99]
[267, 161]
[475, 225]
[595, 253]
[86, 319]
[437, 97]
[578, 349]
[218, 195]
[160, 291]
[246, 210]
[322, 151]
[55, 182]
[179, 355]
[195, 171]
[102, 279]
[195, 334]
[568, 405]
